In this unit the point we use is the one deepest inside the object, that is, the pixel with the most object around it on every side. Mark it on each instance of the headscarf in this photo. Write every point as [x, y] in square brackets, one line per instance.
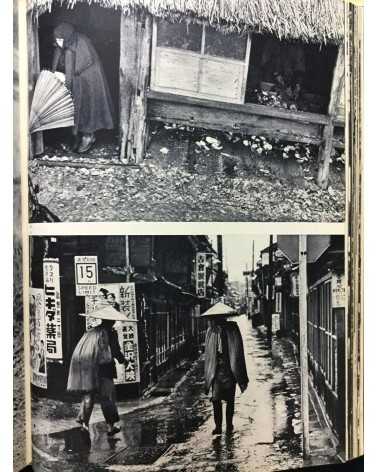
[66, 32]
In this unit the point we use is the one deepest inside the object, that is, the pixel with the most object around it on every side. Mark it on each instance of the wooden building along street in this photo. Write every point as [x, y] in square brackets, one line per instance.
[160, 283]
[327, 331]
[211, 65]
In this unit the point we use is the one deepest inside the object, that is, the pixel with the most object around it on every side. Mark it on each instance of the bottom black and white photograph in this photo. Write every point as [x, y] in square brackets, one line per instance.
[188, 352]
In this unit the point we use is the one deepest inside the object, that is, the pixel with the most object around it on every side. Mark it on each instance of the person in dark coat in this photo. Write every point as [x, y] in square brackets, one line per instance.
[225, 365]
[84, 75]
[93, 369]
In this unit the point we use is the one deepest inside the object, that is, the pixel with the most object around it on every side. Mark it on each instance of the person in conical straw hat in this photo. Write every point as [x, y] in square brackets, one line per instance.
[224, 363]
[92, 368]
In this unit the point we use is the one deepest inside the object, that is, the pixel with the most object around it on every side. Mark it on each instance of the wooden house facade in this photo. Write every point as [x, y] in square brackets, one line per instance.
[167, 327]
[195, 63]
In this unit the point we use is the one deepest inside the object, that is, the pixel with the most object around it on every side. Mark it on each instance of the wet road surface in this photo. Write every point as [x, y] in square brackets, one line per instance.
[176, 435]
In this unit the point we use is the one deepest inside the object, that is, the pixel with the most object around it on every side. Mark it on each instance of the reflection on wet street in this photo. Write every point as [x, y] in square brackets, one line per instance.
[176, 434]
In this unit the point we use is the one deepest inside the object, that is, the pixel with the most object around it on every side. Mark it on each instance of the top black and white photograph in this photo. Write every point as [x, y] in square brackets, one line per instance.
[187, 110]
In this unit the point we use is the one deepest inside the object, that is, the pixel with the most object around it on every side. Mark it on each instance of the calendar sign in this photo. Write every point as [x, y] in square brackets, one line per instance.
[86, 275]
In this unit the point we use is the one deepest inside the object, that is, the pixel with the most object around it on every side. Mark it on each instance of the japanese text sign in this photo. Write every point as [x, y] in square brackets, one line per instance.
[53, 319]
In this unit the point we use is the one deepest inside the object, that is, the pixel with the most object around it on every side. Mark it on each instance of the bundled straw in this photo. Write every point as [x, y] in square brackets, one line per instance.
[52, 105]
[309, 20]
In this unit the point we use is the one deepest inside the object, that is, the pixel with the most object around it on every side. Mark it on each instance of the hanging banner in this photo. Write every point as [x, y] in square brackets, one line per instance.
[53, 317]
[86, 275]
[201, 274]
[37, 327]
[122, 297]
[338, 291]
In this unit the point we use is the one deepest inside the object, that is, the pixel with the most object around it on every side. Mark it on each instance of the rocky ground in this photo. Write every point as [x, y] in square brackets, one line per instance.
[173, 433]
[191, 176]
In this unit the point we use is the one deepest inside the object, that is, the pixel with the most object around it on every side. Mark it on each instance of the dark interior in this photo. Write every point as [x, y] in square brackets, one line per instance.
[102, 26]
[309, 64]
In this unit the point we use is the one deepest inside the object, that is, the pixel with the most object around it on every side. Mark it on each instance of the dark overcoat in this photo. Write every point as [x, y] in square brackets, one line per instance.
[235, 351]
[85, 78]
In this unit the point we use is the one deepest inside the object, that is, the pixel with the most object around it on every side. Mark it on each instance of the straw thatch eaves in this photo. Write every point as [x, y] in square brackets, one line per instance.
[317, 21]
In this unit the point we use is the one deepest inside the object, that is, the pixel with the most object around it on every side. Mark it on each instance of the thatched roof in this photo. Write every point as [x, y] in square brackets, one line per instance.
[308, 20]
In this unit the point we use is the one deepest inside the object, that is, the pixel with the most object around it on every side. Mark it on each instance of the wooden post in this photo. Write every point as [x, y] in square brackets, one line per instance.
[33, 73]
[135, 53]
[270, 291]
[325, 148]
[303, 342]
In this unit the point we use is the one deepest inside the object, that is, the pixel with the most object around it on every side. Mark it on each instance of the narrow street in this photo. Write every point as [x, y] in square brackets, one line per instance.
[174, 434]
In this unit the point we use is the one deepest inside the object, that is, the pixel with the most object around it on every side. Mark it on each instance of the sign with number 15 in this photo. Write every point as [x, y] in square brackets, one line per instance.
[86, 275]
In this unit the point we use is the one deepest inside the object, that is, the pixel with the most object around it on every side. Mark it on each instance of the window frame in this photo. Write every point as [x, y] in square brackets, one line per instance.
[202, 56]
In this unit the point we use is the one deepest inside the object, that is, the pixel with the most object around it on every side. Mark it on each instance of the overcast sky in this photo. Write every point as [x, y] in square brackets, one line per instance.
[237, 252]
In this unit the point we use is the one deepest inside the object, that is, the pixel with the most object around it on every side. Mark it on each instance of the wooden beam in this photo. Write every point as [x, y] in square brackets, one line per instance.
[326, 146]
[236, 118]
[36, 141]
[135, 52]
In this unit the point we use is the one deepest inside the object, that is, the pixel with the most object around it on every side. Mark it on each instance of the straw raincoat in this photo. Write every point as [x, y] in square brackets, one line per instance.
[94, 357]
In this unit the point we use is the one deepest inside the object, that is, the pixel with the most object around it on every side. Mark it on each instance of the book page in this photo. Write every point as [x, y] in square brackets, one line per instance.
[192, 176]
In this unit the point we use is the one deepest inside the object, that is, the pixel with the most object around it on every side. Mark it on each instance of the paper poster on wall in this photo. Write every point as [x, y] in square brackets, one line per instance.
[122, 298]
[37, 327]
[53, 319]
[86, 275]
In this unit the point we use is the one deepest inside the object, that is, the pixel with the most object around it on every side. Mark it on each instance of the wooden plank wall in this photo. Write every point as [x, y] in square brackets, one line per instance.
[135, 53]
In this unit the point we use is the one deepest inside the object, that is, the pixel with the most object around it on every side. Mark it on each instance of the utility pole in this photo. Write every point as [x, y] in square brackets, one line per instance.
[270, 291]
[220, 265]
[303, 342]
[127, 258]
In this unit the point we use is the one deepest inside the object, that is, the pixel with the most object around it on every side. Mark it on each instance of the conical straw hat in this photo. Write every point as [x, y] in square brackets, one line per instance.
[106, 312]
[220, 309]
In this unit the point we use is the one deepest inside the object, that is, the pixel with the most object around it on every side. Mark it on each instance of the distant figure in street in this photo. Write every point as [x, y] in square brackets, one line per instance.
[224, 363]
[93, 369]
[84, 75]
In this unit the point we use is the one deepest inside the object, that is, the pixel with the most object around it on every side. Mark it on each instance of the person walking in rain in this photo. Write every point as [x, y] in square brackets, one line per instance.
[93, 369]
[84, 76]
[224, 363]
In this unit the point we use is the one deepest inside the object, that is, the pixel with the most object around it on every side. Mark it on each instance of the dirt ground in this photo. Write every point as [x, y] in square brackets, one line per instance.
[184, 178]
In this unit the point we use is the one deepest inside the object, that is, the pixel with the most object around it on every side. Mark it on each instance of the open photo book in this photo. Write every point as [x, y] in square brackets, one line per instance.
[187, 235]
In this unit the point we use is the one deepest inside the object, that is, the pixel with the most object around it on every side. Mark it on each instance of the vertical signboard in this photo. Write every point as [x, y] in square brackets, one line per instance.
[201, 274]
[338, 291]
[128, 372]
[53, 319]
[38, 362]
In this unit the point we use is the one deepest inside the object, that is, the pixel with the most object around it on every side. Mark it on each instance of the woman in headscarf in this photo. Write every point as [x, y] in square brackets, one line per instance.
[93, 369]
[224, 364]
[76, 57]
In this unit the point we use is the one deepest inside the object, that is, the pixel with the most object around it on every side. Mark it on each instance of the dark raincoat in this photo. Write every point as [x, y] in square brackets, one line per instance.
[235, 354]
[93, 358]
[85, 78]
